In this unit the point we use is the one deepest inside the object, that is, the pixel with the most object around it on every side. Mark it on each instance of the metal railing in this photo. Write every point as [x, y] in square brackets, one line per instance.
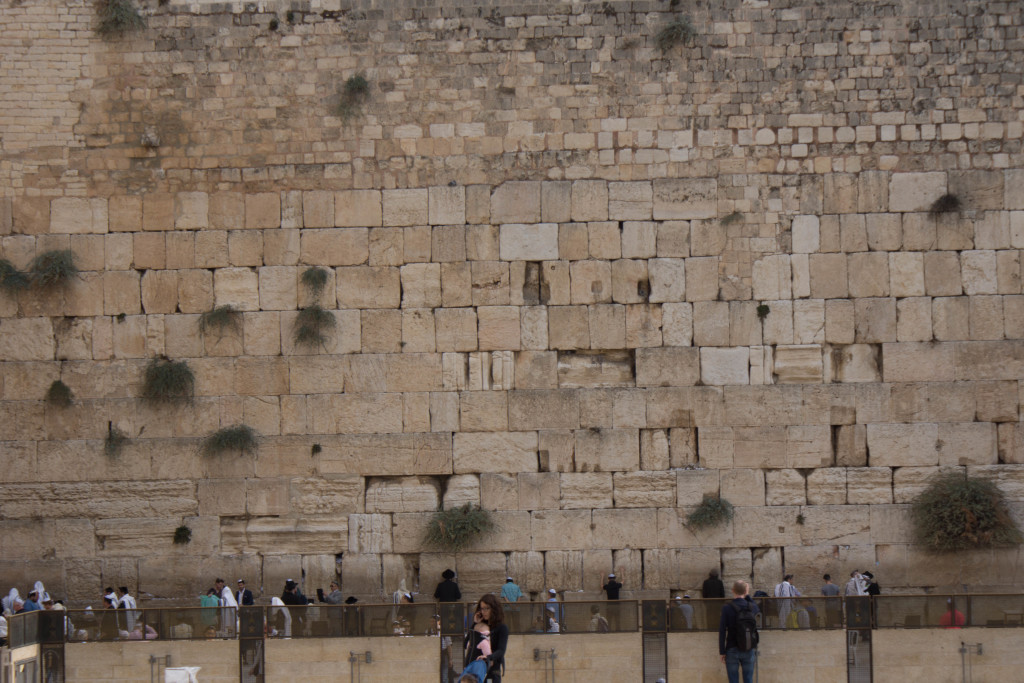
[622, 616]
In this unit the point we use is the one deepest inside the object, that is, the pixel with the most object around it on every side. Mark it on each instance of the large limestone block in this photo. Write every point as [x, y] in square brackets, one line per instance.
[585, 490]
[541, 409]
[561, 529]
[101, 500]
[589, 200]
[262, 210]
[869, 274]
[483, 411]
[915, 191]
[798, 364]
[495, 452]
[685, 198]
[368, 287]
[773, 278]
[898, 445]
[527, 568]
[994, 360]
[668, 280]
[335, 247]
[875, 320]
[978, 269]
[369, 533]
[743, 487]
[539, 490]
[499, 491]
[385, 454]
[630, 201]
[328, 496]
[693, 485]
[615, 407]
[461, 489]
[607, 450]
[891, 524]
[481, 571]
[76, 215]
[928, 362]
[528, 241]
[446, 205]
[498, 327]
[785, 487]
[238, 287]
[563, 570]
[405, 207]
[725, 366]
[276, 536]
[771, 526]
[655, 450]
[639, 240]
[856, 363]
[632, 528]
[967, 443]
[516, 202]
[357, 208]
[142, 536]
[827, 486]
[868, 485]
[836, 524]
[402, 494]
[644, 489]
[27, 339]
[667, 366]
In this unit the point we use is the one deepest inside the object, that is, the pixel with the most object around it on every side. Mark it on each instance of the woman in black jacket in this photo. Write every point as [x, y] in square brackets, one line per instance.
[488, 610]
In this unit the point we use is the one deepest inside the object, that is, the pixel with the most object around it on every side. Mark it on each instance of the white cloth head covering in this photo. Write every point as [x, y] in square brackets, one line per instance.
[228, 598]
[276, 601]
[40, 590]
[8, 601]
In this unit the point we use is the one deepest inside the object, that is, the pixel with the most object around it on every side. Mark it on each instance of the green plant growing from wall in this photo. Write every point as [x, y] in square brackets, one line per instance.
[114, 442]
[354, 93]
[54, 268]
[679, 31]
[182, 535]
[313, 325]
[167, 381]
[221, 319]
[957, 513]
[314, 280]
[59, 394]
[947, 203]
[763, 311]
[712, 511]
[458, 528]
[118, 17]
[12, 280]
[732, 218]
[240, 438]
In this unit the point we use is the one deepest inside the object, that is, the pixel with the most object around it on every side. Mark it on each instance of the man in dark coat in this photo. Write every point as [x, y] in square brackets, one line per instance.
[612, 589]
[447, 590]
[712, 588]
[244, 595]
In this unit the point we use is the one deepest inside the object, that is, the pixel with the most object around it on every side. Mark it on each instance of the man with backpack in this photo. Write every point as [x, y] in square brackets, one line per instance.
[737, 634]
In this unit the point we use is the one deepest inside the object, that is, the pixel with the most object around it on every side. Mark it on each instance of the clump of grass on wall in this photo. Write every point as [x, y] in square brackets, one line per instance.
[947, 203]
[354, 93]
[458, 528]
[221, 319]
[53, 268]
[679, 31]
[313, 325]
[182, 535]
[168, 381]
[115, 441]
[712, 511]
[11, 279]
[956, 513]
[314, 280]
[59, 394]
[238, 438]
[118, 17]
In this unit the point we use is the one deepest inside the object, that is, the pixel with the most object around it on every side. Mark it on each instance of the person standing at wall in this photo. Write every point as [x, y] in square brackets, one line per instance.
[832, 609]
[730, 648]
[510, 595]
[243, 596]
[785, 592]
[712, 588]
[447, 590]
[611, 589]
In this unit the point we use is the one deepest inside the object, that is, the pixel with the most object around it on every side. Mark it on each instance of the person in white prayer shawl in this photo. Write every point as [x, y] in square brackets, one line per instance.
[230, 605]
[280, 619]
[127, 603]
[8, 601]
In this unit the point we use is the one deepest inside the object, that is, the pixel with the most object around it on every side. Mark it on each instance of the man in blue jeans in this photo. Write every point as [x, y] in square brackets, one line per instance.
[727, 631]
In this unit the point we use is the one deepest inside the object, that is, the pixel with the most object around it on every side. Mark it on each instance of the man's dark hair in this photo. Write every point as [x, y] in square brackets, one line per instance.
[123, 589]
[827, 577]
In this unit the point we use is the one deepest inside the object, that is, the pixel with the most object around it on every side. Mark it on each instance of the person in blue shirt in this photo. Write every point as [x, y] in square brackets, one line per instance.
[511, 594]
[32, 604]
[727, 633]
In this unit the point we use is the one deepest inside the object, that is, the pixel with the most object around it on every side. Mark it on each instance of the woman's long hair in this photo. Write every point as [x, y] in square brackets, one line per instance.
[497, 614]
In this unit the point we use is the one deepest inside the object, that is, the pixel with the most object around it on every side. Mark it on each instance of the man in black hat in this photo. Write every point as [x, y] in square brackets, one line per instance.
[612, 589]
[447, 590]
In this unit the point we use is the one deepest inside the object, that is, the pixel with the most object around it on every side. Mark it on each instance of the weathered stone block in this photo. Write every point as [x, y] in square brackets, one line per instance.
[336, 247]
[929, 362]
[405, 207]
[516, 202]
[899, 445]
[915, 191]
[495, 452]
[800, 364]
[685, 198]
[827, 486]
[446, 205]
[607, 450]
[528, 242]
[644, 489]
[968, 443]
[785, 487]
[667, 279]
[743, 487]
[869, 485]
[724, 366]
[358, 208]
[630, 201]
[538, 409]
[589, 200]
[561, 529]
[262, 210]
[401, 494]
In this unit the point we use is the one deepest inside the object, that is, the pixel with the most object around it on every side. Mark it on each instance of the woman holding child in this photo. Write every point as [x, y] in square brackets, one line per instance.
[487, 640]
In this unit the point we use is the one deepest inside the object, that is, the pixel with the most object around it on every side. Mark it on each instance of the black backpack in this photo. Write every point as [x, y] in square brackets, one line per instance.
[746, 627]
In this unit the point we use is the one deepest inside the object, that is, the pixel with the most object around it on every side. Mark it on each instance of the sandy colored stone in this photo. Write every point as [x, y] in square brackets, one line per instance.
[607, 450]
[644, 489]
[685, 198]
[516, 202]
[897, 445]
[495, 452]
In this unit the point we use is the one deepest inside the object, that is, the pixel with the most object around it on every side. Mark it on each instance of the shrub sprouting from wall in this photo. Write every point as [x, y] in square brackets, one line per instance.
[458, 528]
[314, 280]
[241, 439]
[956, 513]
[118, 17]
[53, 268]
[354, 93]
[114, 442]
[59, 394]
[182, 535]
[313, 325]
[712, 512]
[11, 279]
[221, 319]
[679, 31]
[168, 381]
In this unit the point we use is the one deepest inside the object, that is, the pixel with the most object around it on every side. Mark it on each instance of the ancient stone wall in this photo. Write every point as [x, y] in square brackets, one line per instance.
[576, 279]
